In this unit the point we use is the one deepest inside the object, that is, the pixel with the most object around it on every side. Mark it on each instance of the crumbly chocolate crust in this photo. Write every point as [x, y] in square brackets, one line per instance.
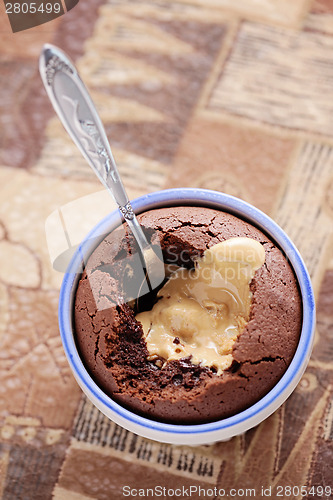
[112, 347]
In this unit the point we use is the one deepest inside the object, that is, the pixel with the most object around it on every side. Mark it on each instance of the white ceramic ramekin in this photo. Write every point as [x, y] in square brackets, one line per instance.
[225, 428]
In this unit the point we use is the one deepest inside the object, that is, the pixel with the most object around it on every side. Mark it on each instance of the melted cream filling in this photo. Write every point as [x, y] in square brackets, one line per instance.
[201, 312]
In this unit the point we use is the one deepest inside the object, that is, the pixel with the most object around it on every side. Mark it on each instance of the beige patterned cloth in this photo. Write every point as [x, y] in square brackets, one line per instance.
[219, 94]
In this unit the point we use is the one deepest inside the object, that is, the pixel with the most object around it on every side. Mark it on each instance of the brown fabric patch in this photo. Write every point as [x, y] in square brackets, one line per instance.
[104, 477]
[232, 159]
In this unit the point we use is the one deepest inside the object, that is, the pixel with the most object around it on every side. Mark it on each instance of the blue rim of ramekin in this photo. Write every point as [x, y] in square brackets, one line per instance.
[205, 198]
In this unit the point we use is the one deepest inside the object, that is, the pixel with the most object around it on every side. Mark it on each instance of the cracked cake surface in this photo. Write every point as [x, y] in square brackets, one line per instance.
[110, 339]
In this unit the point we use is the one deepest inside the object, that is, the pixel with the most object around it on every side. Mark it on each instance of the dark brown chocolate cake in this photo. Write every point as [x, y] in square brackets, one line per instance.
[110, 339]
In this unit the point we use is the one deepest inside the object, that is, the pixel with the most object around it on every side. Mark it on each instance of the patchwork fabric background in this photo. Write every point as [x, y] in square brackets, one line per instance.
[218, 94]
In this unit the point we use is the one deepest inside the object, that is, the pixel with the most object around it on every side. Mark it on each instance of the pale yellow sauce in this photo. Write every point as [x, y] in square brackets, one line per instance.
[205, 308]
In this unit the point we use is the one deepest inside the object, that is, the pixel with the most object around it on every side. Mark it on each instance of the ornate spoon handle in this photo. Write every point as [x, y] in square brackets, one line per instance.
[74, 106]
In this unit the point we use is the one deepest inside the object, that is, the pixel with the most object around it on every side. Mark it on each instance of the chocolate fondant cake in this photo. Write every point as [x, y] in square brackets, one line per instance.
[111, 341]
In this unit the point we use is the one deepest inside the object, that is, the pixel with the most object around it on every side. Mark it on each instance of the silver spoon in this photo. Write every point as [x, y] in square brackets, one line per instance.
[74, 106]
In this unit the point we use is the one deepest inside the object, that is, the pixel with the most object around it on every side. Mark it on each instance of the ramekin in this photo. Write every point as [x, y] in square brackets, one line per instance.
[200, 433]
